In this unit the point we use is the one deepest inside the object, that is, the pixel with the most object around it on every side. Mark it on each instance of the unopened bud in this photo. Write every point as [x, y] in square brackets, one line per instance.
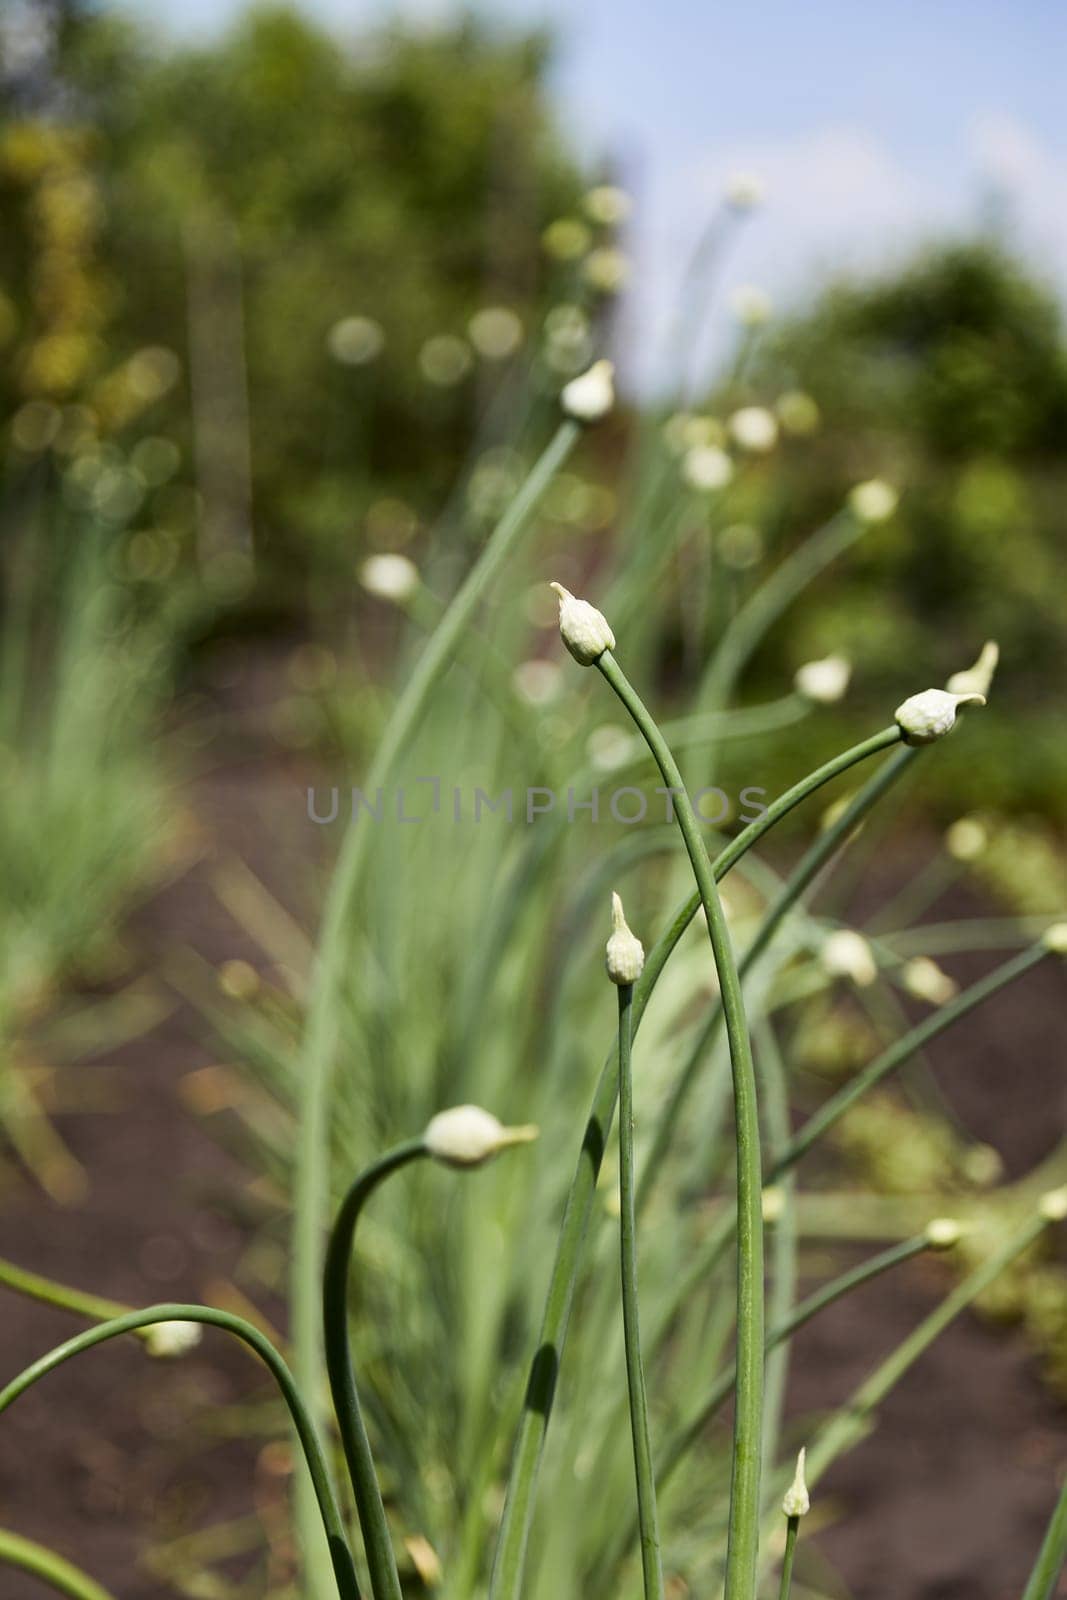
[796, 1502]
[584, 630]
[166, 1340]
[466, 1136]
[928, 716]
[591, 395]
[847, 954]
[625, 956]
[823, 681]
[942, 1233]
[1054, 938]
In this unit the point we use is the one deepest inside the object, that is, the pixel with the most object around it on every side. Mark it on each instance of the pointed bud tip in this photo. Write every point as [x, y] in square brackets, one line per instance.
[624, 957]
[796, 1501]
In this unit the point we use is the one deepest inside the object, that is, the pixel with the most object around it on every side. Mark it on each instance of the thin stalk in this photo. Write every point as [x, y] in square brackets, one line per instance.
[306, 1432]
[36, 1287]
[848, 1424]
[311, 1178]
[902, 1050]
[648, 1521]
[53, 1569]
[803, 874]
[792, 1528]
[720, 1236]
[385, 1581]
[774, 1086]
[513, 1539]
[767, 603]
[682, 1440]
[743, 1538]
[1051, 1556]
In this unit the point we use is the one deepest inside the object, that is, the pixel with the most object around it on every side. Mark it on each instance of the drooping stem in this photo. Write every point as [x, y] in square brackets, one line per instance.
[743, 1538]
[381, 1561]
[311, 1178]
[648, 1521]
[329, 1511]
[1052, 1555]
[510, 1558]
[53, 1569]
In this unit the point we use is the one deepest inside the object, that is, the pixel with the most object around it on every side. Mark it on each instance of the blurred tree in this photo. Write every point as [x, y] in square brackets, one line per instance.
[310, 228]
[948, 377]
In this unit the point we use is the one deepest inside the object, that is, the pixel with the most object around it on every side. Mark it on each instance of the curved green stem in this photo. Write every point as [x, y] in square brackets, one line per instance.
[1051, 1556]
[743, 1538]
[53, 1569]
[311, 1180]
[510, 1557]
[385, 1581]
[648, 1521]
[340, 1555]
[803, 874]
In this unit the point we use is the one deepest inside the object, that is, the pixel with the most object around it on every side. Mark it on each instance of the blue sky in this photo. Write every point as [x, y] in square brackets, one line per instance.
[872, 123]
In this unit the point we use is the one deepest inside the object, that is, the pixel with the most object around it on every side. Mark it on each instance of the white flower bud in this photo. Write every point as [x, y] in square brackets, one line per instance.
[979, 678]
[943, 1232]
[873, 501]
[772, 1202]
[591, 395]
[1054, 938]
[584, 630]
[625, 955]
[166, 1340]
[823, 681]
[466, 1136]
[751, 306]
[390, 577]
[754, 428]
[707, 468]
[846, 954]
[796, 1502]
[926, 717]
[1053, 1205]
[925, 980]
[744, 191]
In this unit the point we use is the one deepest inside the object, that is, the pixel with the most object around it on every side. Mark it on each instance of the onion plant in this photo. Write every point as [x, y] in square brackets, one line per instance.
[443, 1328]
